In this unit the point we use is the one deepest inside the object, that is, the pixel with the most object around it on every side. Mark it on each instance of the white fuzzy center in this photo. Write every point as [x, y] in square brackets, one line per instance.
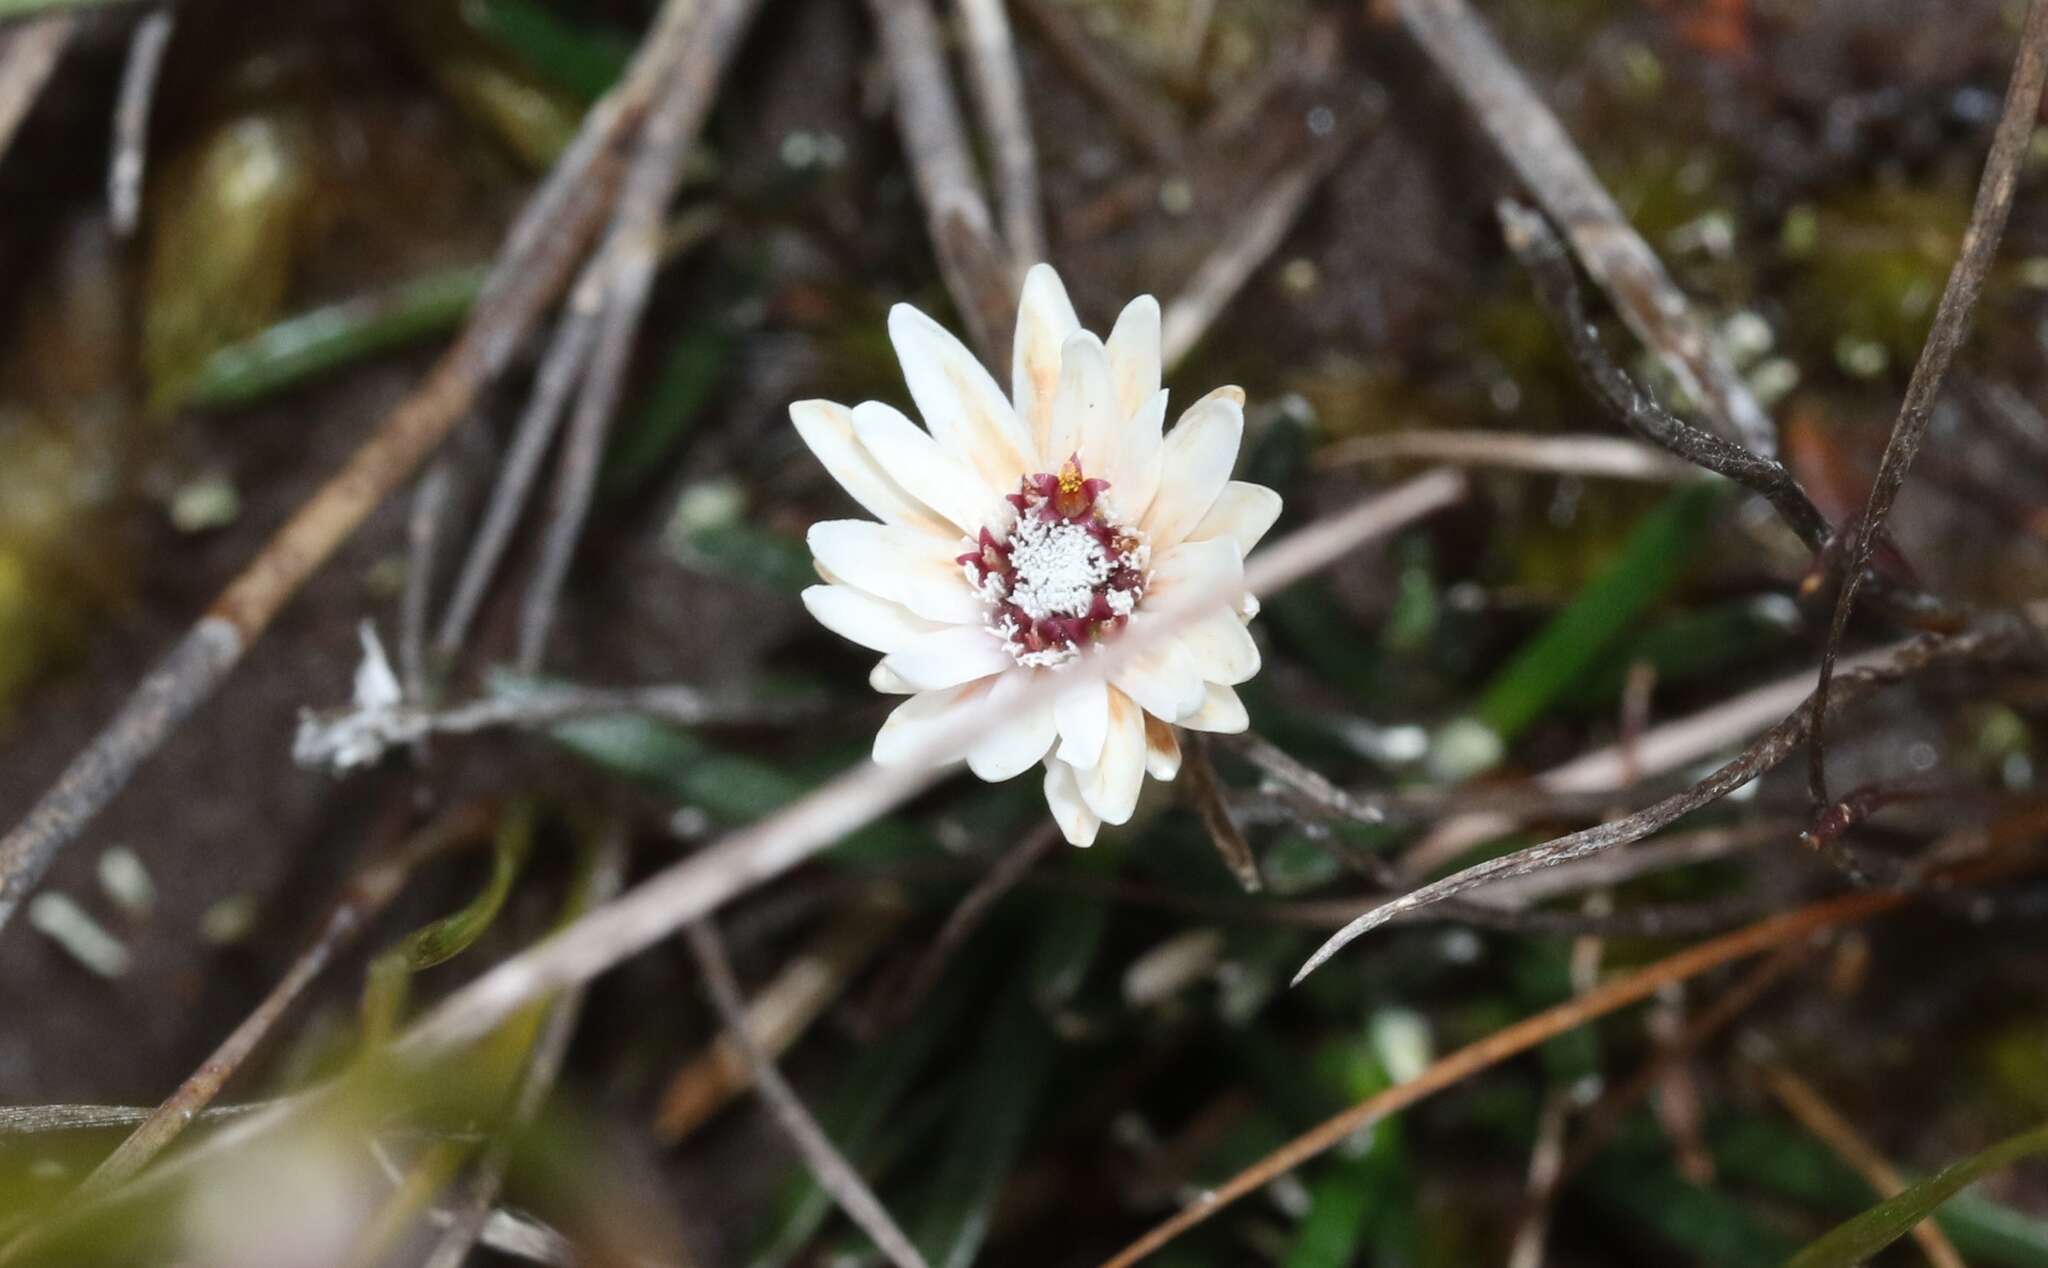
[1058, 565]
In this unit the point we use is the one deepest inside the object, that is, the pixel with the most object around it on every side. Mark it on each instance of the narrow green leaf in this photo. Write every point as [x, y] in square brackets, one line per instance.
[584, 61]
[1856, 1240]
[1651, 561]
[324, 339]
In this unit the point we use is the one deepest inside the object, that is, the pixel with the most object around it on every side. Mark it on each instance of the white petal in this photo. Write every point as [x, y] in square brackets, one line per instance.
[1163, 678]
[1133, 349]
[862, 618]
[1162, 750]
[960, 403]
[924, 469]
[1243, 512]
[1222, 711]
[948, 657]
[1133, 473]
[1110, 787]
[1084, 409]
[1045, 317]
[1082, 712]
[1209, 573]
[1078, 824]
[888, 681]
[1017, 742]
[1220, 648]
[925, 717]
[1195, 464]
[900, 564]
[827, 428]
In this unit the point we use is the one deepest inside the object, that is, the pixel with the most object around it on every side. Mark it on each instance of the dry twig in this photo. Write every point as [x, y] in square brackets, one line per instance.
[131, 120]
[1536, 145]
[540, 251]
[999, 92]
[29, 54]
[1599, 456]
[627, 262]
[1142, 118]
[1766, 751]
[1951, 323]
[974, 265]
[834, 1173]
[967, 916]
[1205, 790]
[1456, 1067]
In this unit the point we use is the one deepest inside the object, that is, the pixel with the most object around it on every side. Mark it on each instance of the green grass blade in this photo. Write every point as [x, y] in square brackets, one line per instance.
[1856, 1240]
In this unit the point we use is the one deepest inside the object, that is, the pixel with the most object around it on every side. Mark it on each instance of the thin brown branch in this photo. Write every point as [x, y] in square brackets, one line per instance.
[541, 249]
[1805, 1103]
[131, 120]
[1454, 1068]
[368, 894]
[974, 264]
[629, 257]
[999, 93]
[834, 1173]
[33, 1120]
[1951, 325]
[1536, 145]
[1205, 791]
[29, 53]
[1765, 752]
[1607, 457]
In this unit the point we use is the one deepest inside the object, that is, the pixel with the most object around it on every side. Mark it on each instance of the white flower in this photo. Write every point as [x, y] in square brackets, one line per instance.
[1015, 541]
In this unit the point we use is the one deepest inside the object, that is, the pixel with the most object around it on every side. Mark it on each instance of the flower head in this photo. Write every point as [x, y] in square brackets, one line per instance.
[1019, 535]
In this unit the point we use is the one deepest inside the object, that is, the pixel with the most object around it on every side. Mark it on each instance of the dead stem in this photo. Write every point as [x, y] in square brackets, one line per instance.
[974, 265]
[1803, 1102]
[1143, 119]
[834, 1173]
[968, 915]
[541, 250]
[372, 889]
[131, 120]
[1536, 145]
[1763, 753]
[999, 93]
[29, 53]
[1951, 324]
[1600, 456]
[628, 258]
[1205, 792]
[1454, 1068]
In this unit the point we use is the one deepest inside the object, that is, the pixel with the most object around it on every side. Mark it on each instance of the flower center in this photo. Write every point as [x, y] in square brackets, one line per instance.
[1064, 575]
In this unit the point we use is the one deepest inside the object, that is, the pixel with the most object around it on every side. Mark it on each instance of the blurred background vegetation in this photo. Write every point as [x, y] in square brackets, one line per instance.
[327, 182]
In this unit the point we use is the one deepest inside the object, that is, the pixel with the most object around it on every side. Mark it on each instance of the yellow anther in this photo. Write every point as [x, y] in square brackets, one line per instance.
[1070, 477]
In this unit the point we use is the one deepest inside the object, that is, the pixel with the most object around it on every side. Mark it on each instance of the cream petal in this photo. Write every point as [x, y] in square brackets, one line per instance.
[1195, 464]
[827, 428]
[888, 681]
[1078, 824]
[1045, 317]
[900, 564]
[1163, 679]
[1133, 348]
[1026, 730]
[925, 718]
[1081, 710]
[1084, 408]
[1133, 474]
[1162, 750]
[860, 617]
[948, 657]
[961, 405]
[924, 469]
[1221, 712]
[1110, 787]
[1220, 648]
[1242, 512]
[1207, 573]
